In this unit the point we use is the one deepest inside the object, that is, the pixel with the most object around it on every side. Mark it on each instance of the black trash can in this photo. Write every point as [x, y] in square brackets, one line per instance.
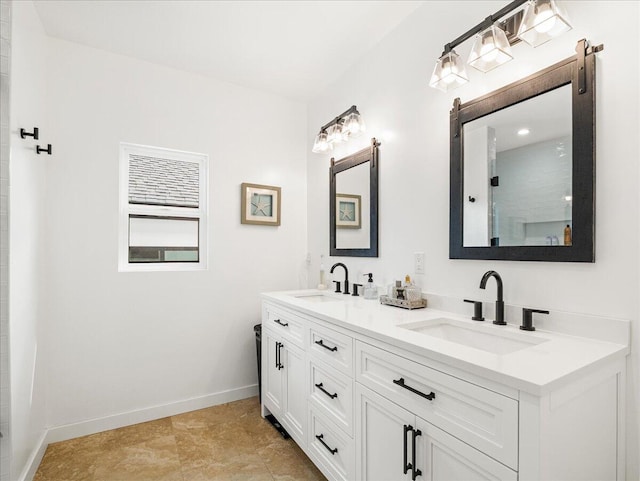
[257, 329]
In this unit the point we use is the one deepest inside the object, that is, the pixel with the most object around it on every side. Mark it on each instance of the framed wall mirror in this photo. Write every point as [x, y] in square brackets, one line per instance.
[353, 204]
[523, 167]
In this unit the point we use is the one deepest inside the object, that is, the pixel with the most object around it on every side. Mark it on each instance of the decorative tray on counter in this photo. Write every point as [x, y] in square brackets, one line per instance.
[404, 303]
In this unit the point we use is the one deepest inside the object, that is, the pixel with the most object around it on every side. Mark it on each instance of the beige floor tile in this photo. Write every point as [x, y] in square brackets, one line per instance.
[73, 460]
[230, 442]
[155, 459]
[140, 433]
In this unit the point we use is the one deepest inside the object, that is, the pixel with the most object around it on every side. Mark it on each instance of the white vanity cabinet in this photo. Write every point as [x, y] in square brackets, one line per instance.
[284, 370]
[394, 443]
[483, 418]
[366, 400]
[331, 409]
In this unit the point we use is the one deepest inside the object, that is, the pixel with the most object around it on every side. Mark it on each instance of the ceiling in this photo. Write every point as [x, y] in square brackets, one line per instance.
[290, 48]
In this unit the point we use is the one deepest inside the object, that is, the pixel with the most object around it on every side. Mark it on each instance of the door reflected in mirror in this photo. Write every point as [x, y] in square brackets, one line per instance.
[518, 174]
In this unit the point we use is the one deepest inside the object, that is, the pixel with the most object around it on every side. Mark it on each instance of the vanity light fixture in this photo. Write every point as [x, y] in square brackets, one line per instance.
[343, 127]
[535, 23]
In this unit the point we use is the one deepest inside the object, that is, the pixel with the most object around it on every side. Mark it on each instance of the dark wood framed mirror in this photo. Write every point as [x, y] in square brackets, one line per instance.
[353, 204]
[523, 167]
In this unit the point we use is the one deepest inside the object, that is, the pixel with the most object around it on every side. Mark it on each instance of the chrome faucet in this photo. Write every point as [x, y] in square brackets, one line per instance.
[346, 276]
[500, 302]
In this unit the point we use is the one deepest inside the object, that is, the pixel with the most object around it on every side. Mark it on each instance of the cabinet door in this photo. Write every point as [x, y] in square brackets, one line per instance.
[380, 438]
[441, 457]
[295, 411]
[271, 372]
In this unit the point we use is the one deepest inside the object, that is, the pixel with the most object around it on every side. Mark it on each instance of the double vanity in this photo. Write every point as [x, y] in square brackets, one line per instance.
[373, 392]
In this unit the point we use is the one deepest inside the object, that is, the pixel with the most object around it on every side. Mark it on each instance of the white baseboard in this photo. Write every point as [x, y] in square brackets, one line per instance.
[34, 460]
[69, 431]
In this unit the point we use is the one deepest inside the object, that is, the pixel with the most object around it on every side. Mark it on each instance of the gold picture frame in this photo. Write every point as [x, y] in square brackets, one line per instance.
[260, 204]
[348, 211]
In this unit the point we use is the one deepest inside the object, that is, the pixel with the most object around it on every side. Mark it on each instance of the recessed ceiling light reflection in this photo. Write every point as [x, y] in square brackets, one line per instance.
[523, 132]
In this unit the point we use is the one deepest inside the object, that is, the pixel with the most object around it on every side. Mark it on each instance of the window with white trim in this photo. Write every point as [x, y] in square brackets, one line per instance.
[163, 209]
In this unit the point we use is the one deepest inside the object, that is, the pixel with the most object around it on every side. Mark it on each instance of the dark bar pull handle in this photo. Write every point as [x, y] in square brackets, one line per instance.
[283, 324]
[320, 437]
[400, 382]
[320, 343]
[279, 364]
[278, 355]
[405, 466]
[415, 472]
[24, 134]
[39, 149]
[332, 396]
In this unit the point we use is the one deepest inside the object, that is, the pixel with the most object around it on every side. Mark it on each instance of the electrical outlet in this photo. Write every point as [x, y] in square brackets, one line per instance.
[418, 266]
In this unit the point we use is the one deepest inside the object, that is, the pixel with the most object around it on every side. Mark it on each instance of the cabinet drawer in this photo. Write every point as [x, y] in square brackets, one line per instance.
[287, 325]
[332, 393]
[482, 418]
[330, 449]
[332, 347]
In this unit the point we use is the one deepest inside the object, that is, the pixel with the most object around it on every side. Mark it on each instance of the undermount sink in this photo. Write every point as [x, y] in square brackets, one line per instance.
[474, 336]
[318, 298]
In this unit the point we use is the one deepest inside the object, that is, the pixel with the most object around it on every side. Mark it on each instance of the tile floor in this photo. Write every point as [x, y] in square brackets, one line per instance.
[229, 442]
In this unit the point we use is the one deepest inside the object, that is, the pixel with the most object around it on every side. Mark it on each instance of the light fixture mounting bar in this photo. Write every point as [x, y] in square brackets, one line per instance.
[341, 116]
[486, 23]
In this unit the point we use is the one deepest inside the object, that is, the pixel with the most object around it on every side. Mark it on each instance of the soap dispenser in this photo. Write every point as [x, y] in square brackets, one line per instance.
[322, 285]
[370, 290]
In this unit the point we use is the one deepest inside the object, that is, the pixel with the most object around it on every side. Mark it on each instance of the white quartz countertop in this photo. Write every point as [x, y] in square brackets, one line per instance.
[550, 359]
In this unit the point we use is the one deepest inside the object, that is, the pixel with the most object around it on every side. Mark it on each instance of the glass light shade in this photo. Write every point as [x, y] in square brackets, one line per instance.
[334, 134]
[542, 21]
[490, 50]
[353, 125]
[320, 144]
[449, 72]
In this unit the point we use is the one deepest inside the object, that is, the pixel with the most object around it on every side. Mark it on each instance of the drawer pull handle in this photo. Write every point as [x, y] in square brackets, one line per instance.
[320, 437]
[332, 396]
[400, 382]
[320, 343]
[283, 324]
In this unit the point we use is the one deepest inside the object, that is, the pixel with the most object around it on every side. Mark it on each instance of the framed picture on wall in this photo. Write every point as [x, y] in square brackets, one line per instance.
[348, 211]
[260, 204]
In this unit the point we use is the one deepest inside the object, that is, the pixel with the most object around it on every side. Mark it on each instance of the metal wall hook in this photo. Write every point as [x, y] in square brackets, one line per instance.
[24, 134]
[39, 149]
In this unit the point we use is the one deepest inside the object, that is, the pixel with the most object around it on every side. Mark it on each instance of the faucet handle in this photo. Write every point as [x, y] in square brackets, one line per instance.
[355, 289]
[477, 310]
[337, 283]
[527, 318]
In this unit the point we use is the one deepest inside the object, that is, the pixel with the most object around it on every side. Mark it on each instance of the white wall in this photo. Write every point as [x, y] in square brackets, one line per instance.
[390, 87]
[122, 341]
[26, 262]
